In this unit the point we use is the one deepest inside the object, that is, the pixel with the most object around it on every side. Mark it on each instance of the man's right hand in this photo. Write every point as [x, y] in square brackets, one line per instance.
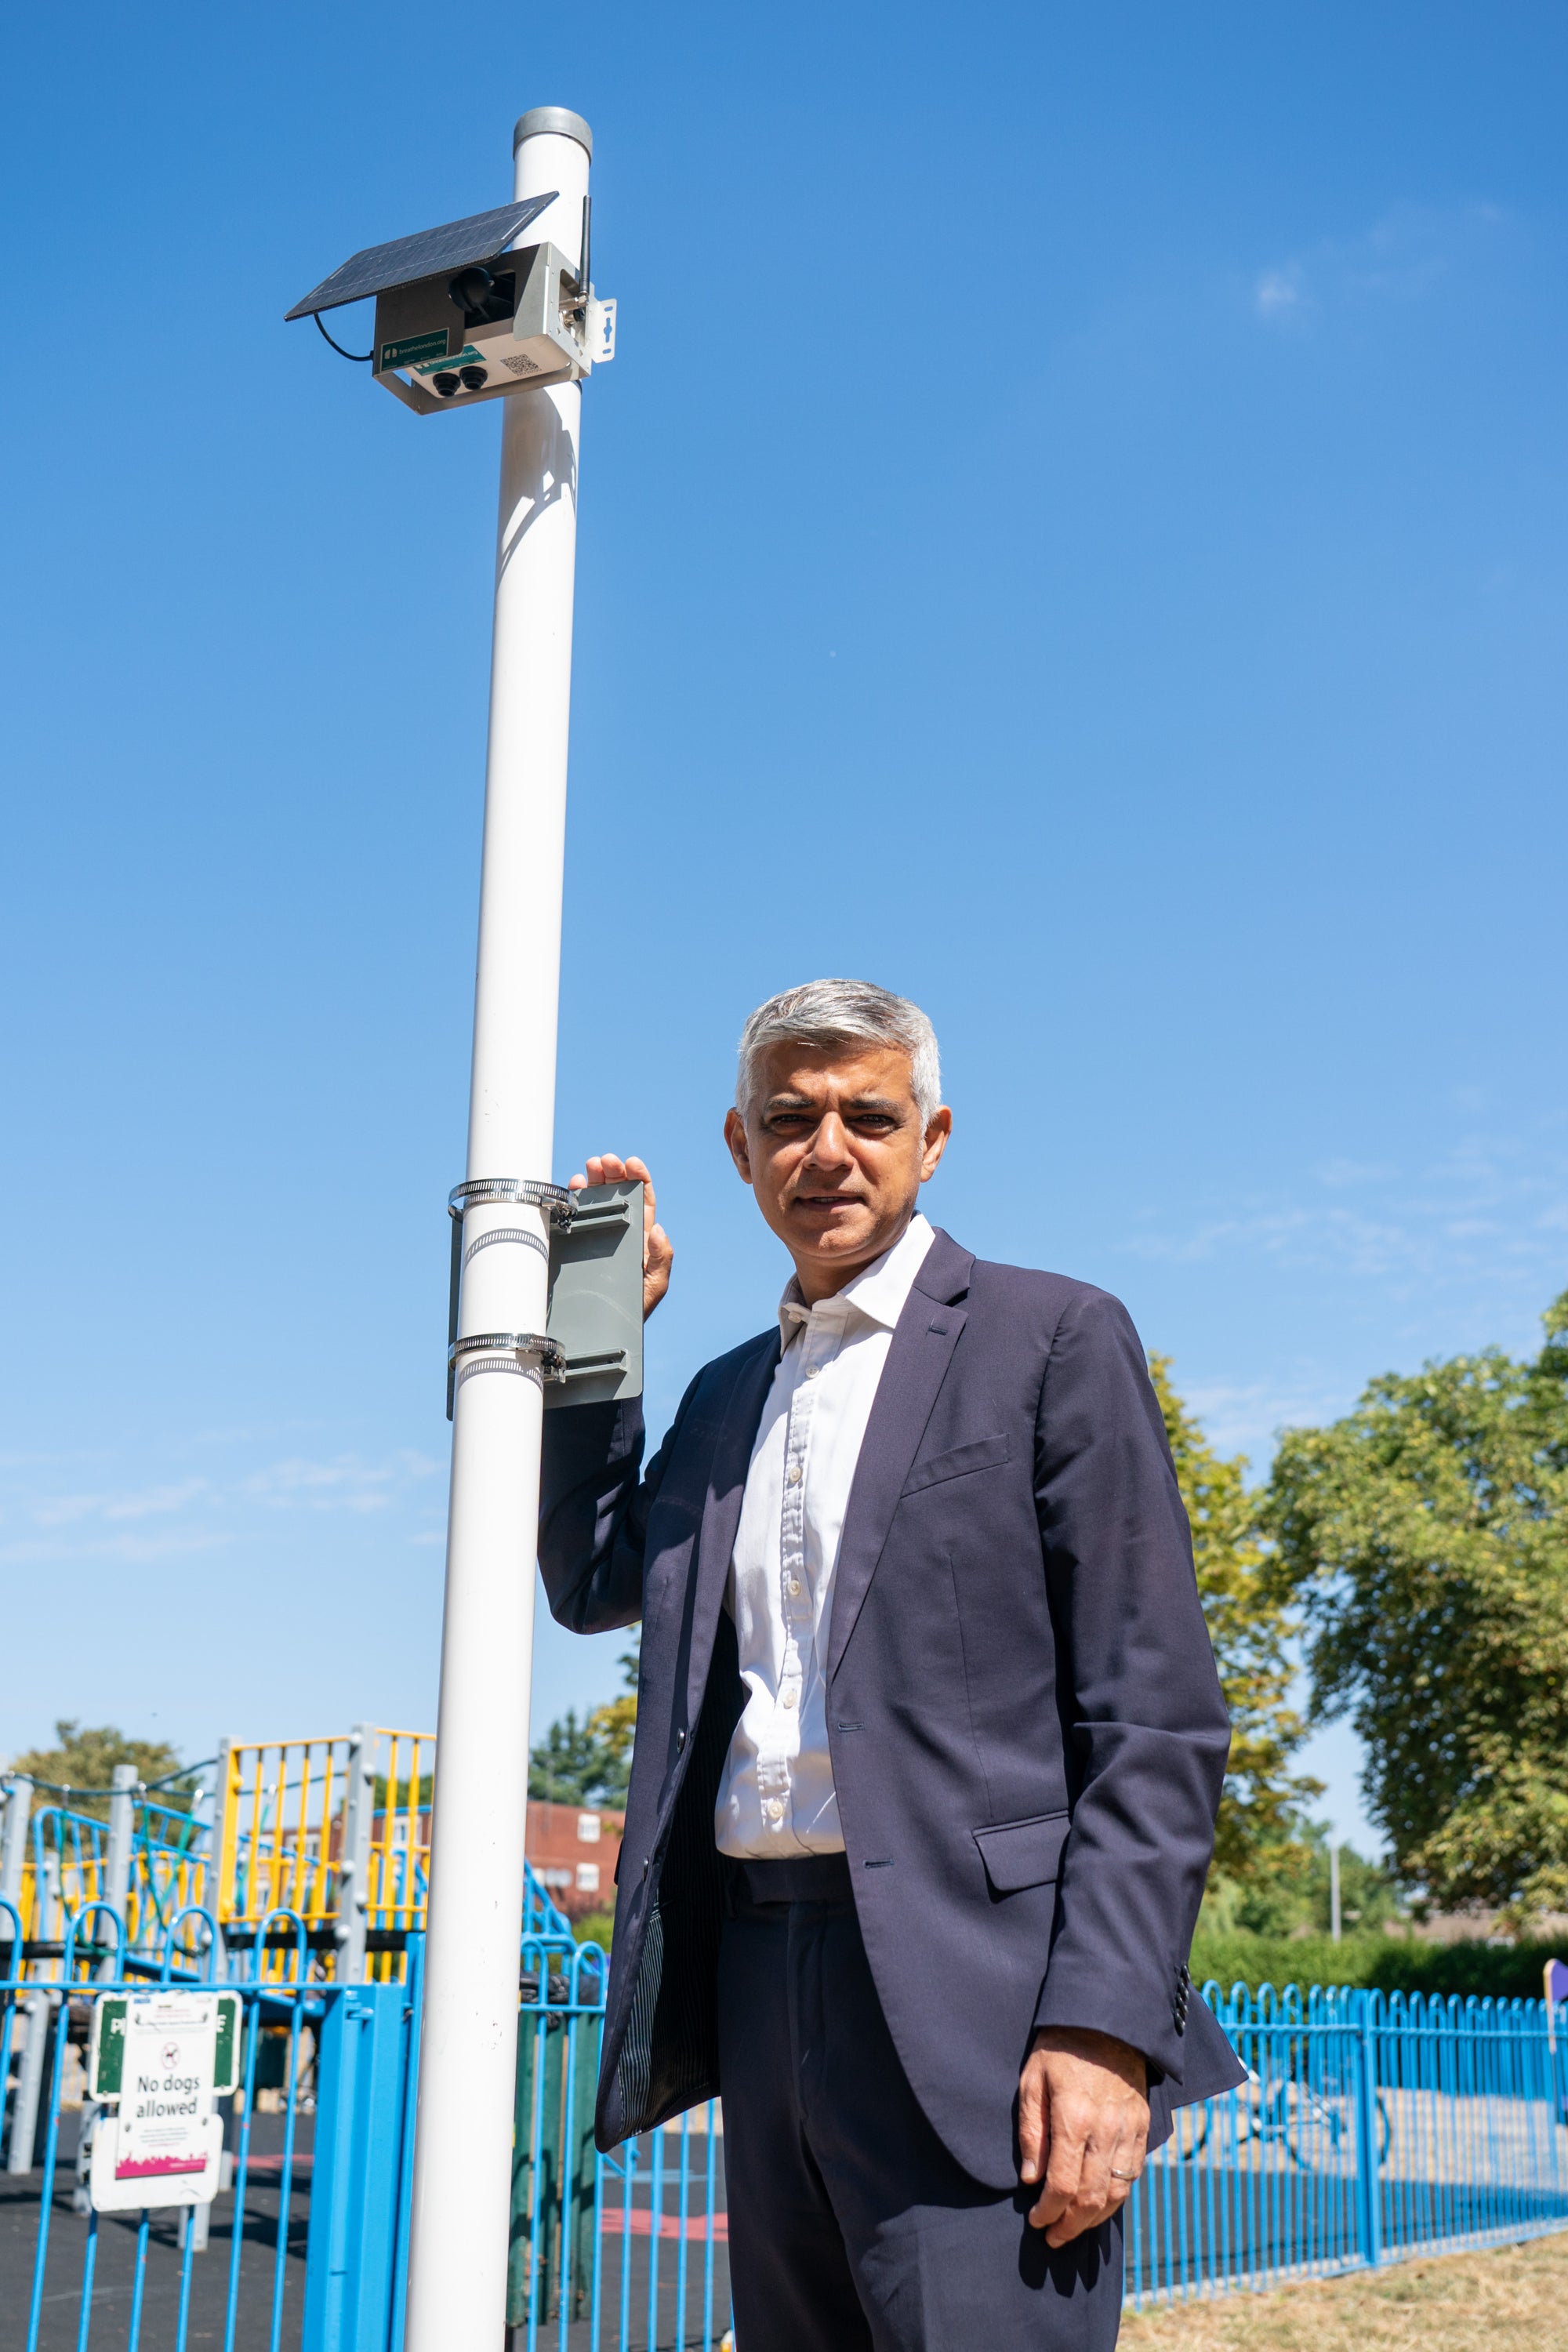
[658, 1251]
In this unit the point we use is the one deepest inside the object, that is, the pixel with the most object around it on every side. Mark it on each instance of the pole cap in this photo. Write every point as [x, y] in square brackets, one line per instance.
[558, 119]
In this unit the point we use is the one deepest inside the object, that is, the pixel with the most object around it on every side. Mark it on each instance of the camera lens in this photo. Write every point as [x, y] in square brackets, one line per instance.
[446, 383]
[471, 289]
[473, 377]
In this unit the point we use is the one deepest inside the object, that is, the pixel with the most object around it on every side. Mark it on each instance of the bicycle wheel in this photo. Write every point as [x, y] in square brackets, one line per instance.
[1190, 2130]
[1311, 2128]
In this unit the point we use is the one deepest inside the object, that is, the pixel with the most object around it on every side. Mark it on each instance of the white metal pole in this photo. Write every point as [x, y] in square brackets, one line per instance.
[35, 2008]
[462, 2164]
[353, 1870]
[117, 1867]
[13, 1856]
[14, 1844]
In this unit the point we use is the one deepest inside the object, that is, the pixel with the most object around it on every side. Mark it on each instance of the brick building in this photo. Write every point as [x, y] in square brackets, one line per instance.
[575, 1850]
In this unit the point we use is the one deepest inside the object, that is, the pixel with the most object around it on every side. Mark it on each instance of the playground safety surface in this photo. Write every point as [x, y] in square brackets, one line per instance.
[114, 2271]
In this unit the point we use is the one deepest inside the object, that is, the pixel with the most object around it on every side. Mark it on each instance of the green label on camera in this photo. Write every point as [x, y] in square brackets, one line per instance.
[413, 348]
[466, 357]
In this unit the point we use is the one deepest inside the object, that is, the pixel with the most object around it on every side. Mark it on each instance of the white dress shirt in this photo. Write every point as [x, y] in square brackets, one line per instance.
[777, 1797]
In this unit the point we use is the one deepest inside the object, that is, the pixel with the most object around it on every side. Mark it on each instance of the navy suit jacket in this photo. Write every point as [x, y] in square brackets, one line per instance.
[1028, 1733]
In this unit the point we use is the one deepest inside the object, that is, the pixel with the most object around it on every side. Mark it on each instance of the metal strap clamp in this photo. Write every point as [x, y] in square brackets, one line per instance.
[558, 1205]
[550, 1354]
[532, 1190]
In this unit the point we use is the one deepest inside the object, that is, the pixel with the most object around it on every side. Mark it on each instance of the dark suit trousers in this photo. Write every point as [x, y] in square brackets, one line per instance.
[851, 2227]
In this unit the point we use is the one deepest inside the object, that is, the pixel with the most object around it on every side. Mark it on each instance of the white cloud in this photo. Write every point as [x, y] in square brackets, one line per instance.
[1296, 1235]
[47, 1518]
[1342, 1174]
[148, 1502]
[1402, 257]
[1246, 1418]
[347, 1483]
[170, 1543]
[1493, 1205]
[1279, 293]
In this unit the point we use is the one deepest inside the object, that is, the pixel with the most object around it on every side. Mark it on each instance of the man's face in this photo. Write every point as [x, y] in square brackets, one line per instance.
[837, 1152]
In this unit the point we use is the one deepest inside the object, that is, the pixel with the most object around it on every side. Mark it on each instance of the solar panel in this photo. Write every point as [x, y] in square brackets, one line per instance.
[481, 237]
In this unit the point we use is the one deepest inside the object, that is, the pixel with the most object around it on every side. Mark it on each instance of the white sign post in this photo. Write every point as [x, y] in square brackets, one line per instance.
[159, 2062]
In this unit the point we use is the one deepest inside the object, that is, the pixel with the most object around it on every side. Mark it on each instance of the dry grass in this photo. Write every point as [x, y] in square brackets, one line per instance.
[1514, 2299]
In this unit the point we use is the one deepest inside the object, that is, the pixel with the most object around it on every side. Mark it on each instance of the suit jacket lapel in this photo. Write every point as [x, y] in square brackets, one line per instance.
[721, 1510]
[917, 1359]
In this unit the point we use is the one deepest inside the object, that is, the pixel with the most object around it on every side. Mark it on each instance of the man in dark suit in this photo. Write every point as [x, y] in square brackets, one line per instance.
[930, 1740]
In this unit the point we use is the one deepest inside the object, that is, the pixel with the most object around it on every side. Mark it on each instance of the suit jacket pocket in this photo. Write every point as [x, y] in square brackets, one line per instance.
[1023, 1853]
[981, 1454]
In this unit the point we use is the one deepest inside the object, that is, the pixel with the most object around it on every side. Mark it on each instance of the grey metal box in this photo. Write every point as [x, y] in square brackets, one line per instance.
[595, 1296]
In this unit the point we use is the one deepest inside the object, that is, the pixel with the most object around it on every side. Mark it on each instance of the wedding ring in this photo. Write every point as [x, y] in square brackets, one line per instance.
[1123, 2176]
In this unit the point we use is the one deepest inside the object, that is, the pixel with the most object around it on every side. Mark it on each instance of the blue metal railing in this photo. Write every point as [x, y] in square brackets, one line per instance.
[65, 2264]
[592, 2258]
[168, 1840]
[68, 1855]
[1370, 2128]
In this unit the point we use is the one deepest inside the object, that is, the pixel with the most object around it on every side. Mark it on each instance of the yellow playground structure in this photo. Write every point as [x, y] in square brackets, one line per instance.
[282, 1848]
[335, 1832]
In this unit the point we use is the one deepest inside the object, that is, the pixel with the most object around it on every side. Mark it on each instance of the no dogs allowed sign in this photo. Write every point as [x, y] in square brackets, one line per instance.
[161, 2060]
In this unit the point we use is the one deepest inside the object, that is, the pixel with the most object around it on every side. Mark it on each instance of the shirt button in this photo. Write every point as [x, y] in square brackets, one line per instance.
[789, 1698]
[775, 1808]
[794, 1473]
[792, 1587]
[812, 1371]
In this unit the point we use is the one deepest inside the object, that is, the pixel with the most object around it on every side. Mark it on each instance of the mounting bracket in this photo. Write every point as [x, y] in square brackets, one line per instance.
[591, 1350]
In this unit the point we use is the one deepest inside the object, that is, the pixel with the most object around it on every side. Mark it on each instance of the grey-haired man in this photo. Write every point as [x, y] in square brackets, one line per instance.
[930, 1740]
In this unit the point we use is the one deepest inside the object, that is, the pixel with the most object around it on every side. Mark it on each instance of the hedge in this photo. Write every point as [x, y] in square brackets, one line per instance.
[1390, 1963]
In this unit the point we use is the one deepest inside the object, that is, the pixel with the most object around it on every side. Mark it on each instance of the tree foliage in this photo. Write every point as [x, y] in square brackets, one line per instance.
[589, 1763]
[565, 1768]
[1393, 1963]
[1426, 1535]
[614, 1726]
[1291, 1894]
[85, 1758]
[1250, 1625]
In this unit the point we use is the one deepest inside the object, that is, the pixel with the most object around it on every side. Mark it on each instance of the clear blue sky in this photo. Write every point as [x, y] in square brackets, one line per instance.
[1074, 532]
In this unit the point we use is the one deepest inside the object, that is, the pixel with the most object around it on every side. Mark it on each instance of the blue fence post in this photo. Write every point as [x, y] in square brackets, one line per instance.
[1369, 2184]
[413, 2015]
[362, 2155]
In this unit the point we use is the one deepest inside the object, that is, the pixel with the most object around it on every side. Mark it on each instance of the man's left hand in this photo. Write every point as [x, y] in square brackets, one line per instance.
[1083, 2128]
[658, 1252]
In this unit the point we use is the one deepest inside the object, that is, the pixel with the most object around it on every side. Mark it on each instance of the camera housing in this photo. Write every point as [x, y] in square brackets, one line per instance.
[464, 314]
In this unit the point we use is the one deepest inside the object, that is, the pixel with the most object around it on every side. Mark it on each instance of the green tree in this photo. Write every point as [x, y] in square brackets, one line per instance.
[589, 1763]
[1426, 1535]
[85, 1759]
[565, 1768]
[615, 1725]
[1292, 1895]
[1251, 1625]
